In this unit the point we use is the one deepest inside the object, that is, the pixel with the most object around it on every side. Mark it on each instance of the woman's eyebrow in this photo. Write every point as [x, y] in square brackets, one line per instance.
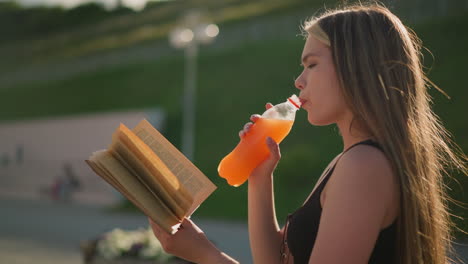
[310, 54]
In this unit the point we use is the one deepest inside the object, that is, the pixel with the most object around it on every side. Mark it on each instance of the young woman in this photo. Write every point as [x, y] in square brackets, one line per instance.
[382, 199]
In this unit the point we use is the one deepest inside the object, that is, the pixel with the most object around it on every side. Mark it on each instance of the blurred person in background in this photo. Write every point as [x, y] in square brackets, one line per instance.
[382, 200]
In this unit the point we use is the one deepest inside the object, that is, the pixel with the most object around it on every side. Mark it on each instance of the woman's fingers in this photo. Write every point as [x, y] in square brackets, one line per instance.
[189, 242]
[155, 227]
[245, 129]
[247, 126]
[160, 234]
[187, 223]
[255, 117]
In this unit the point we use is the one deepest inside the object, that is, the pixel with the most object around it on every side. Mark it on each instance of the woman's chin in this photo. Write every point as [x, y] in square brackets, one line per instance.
[319, 121]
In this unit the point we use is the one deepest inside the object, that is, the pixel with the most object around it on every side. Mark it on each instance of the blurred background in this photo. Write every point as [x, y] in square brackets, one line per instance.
[72, 70]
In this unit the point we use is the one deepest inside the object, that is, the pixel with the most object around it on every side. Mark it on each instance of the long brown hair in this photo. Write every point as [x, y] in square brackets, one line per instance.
[378, 63]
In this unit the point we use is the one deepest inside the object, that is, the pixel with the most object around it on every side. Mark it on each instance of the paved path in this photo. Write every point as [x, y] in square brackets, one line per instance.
[42, 232]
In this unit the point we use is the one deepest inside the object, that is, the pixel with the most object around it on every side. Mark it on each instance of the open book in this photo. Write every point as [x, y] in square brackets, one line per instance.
[156, 177]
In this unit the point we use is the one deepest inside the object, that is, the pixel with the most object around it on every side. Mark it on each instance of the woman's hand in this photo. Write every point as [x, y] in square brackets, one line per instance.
[189, 243]
[254, 119]
[266, 168]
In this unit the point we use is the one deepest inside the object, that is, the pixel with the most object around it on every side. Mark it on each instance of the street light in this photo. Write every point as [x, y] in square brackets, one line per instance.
[188, 36]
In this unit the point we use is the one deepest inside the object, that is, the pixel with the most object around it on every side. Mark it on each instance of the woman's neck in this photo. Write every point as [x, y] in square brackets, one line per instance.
[354, 134]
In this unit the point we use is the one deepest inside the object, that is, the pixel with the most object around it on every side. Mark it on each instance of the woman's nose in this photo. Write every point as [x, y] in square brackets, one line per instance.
[299, 83]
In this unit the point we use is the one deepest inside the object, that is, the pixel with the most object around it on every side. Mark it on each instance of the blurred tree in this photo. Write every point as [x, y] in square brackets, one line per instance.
[37, 22]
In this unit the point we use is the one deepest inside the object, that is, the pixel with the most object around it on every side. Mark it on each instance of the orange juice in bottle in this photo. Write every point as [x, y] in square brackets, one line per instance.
[276, 123]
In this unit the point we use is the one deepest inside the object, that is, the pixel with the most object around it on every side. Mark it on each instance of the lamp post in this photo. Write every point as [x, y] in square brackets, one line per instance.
[188, 36]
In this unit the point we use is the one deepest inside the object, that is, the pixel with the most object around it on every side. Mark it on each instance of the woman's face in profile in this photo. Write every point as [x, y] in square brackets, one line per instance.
[318, 83]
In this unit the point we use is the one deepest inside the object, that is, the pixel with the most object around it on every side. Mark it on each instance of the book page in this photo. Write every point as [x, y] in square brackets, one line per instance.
[197, 184]
[136, 156]
[110, 169]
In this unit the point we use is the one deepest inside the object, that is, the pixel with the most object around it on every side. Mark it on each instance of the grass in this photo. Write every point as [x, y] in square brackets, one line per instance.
[233, 84]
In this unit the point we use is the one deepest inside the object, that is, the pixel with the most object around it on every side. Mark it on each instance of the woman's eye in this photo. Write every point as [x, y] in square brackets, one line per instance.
[311, 66]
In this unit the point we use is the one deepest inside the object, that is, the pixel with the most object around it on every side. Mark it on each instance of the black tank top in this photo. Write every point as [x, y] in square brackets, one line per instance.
[302, 227]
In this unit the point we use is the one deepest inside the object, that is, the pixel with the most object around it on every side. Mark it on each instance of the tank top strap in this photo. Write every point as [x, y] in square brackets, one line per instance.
[368, 142]
[330, 170]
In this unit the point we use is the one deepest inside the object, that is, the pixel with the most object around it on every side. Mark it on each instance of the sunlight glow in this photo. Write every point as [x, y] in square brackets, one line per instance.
[212, 30]
[186, 35]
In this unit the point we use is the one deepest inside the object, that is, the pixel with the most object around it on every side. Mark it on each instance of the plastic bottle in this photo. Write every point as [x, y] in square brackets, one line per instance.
[276, 123]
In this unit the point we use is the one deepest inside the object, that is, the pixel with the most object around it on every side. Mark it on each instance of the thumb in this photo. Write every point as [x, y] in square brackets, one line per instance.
[275, 154]
[187, 223]
[269, 164]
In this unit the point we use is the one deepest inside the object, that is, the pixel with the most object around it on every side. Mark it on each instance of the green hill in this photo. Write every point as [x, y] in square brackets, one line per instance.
[232, 84]
[43, 35]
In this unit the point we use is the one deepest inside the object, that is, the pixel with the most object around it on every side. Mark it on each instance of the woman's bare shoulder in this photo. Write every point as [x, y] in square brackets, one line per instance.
[356, 205]
[366, 170]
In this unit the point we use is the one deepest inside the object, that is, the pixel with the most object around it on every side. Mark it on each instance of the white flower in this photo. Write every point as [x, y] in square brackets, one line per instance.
[153, 248]
[142, 241]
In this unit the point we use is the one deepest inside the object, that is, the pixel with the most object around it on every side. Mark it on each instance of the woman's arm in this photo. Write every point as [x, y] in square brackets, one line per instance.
[357, 200]
[264, 233]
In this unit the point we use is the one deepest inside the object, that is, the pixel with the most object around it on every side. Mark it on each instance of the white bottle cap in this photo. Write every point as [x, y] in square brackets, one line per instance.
[295, 101]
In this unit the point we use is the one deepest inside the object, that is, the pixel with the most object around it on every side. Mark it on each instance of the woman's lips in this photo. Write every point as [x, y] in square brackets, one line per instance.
[303, 101]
